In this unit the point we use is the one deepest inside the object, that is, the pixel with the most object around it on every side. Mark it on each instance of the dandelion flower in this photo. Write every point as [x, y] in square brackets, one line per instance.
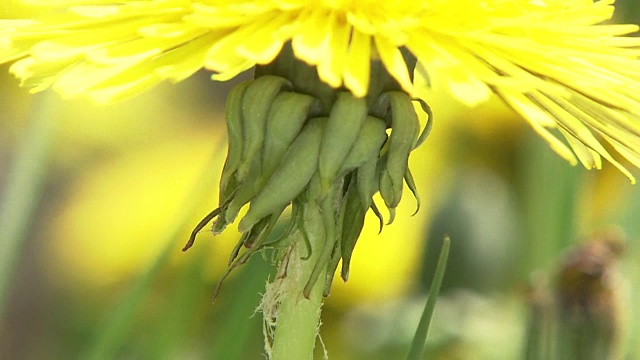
[324, 142]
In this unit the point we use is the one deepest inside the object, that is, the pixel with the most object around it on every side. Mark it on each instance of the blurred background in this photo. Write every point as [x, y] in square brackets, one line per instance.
[96, 203]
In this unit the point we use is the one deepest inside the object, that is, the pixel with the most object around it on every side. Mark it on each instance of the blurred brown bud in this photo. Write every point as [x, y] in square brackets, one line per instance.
[587, 291]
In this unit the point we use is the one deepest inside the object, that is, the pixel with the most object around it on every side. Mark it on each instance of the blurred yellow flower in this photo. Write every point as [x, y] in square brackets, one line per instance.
[550, 60]
[110, 225]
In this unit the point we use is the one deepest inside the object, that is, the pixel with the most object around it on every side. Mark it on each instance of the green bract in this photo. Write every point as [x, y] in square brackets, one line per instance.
[286, 150]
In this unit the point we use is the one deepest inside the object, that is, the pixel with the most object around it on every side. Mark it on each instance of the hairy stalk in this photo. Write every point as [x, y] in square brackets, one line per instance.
[291, 320]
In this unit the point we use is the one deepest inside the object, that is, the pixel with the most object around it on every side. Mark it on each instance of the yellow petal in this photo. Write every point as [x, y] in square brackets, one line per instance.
[356, 74]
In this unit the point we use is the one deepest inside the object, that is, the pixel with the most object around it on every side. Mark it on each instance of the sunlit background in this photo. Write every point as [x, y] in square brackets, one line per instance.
[102, 200]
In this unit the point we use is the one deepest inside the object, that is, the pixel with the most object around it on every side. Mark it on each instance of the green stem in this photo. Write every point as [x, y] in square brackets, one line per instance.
[298, 318]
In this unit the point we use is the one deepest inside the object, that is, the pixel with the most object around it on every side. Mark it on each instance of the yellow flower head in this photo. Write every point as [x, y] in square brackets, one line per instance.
[553, 61]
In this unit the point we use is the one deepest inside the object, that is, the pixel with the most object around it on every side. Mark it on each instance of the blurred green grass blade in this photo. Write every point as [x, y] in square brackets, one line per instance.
[183, 319]
[549, 192]
[628, 219]
[549, 188]
[185, 316]
[23, 190]
[420, 338]
[115, 331]
[186, 294]
[234, 338]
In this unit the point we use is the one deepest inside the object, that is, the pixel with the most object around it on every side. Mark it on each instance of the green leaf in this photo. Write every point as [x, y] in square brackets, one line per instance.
[417, 346]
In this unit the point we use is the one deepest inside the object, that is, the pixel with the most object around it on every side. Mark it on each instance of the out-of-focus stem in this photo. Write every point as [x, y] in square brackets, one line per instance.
[22, 191]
